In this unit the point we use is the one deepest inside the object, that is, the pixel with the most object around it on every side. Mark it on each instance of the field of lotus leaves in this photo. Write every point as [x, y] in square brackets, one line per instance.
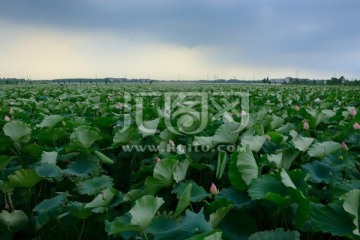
[74, 162]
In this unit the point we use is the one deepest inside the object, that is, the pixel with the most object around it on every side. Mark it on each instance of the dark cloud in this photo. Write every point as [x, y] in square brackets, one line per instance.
[320, 34]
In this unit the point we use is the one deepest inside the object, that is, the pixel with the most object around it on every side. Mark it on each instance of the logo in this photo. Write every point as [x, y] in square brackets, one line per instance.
[183, 113]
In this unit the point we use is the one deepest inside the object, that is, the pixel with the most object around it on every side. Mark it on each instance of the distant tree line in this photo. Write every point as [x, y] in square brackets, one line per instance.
[289, 80]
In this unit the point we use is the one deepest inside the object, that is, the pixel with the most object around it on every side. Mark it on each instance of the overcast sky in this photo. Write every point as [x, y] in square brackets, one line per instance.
[179, 39]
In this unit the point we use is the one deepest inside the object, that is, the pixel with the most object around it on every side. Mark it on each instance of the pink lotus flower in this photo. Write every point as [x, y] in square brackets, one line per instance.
[305, 125]
[171, 143]
[213, 189]
[297, 108]
[268, 138]
[353, 112]
[7, 119]
[356, 126]
[344, 146]
[157, 159]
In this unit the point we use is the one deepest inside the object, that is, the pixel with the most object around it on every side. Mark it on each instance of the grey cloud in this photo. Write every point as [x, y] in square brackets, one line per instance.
[271, 33]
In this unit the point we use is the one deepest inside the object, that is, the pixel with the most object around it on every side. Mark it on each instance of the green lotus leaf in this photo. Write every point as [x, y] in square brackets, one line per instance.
[24, 178]
[18, 131]
[15, 220]
[50, 121]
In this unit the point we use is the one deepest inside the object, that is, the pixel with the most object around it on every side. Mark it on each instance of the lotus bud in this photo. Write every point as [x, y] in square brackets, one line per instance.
[213, 189]
[268, 138]
[317, 100]
[7, 119]
[344, 146]
[157, 159]
[353, 112]
[297, 108]
[356, 126]
[11, 111]
[305, 125]
[171, 143]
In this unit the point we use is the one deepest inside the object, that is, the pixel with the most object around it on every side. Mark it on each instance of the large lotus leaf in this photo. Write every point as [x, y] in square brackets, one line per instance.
[162, 224]
[50, 121]
[239, 198]
[49, 157]
[321, 116]
[141, 214]
[14, 220]
[181, 170]
[18, 131]
[49, 209]
[269, 183]
[321, 150]
[84, 136]
[153, 185]
[288, 156]
[123, 137]
[164, 170]
[332, 219]
[4, 160]
[184, 200]
[302, 143]
[235, 176]
[163, 175]
[217, 216]
[144, 210]
[286, 180]
[102, 200]
[24, 178]
[276, 159]
[255, 142]
[95, 185]
[48, 170]
[197, 193]
[283, 159]
[276, 137]
[191, 224]
[351, 205]
[33, 150]
[286, 128]
[340, 188]
[246, 164]
[276, 122]
[227, 133]
[276, 234]
[303, 210]
[210, 235]
[321, 172]
[77, 210]
[81, 167]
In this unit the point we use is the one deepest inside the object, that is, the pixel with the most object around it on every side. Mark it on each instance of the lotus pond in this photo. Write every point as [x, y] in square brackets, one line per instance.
[167, 161]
